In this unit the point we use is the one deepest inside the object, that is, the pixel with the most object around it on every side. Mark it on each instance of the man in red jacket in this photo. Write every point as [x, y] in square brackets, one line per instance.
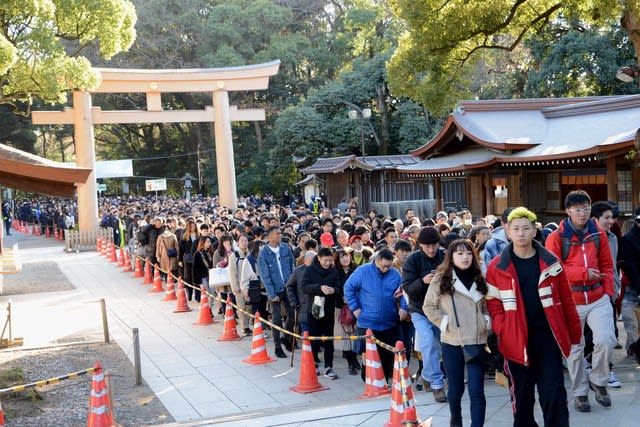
[583, 247]
[535, 319]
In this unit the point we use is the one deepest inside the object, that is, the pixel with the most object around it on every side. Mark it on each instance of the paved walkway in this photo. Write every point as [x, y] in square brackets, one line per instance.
[203, 382]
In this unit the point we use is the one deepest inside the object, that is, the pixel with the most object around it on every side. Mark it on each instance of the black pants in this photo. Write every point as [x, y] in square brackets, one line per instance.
[544, 372]
[322, 327]
[387, 336]
[276, 314]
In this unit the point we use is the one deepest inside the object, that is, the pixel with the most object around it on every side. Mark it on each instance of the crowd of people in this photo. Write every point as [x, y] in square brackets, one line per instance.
[463, 293]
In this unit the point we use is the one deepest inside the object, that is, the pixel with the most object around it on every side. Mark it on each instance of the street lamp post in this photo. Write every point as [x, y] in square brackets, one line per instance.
[362, 114]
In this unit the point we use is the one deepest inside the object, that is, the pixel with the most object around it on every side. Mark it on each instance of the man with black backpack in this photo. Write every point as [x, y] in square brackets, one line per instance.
[581, 245]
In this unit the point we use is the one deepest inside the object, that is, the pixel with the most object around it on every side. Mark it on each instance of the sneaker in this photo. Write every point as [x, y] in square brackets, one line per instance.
[422, 384]
[353, 370]
[330, 374]
[618, 346]
[602, 396]
[613, 380]
[280, 353]
[439, 395]
[581, 404]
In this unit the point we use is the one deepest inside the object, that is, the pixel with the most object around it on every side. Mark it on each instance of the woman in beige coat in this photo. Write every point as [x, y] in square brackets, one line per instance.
[459, 283]
[167, 253]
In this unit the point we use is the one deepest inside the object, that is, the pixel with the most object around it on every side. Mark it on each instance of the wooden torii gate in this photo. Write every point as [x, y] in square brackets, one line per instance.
[218, 81]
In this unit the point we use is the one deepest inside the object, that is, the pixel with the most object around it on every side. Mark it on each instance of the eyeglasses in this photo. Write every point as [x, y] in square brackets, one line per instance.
[585, 209]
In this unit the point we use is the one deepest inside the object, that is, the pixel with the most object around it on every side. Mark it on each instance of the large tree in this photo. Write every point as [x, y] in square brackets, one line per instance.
[447, 39]
[41, 42]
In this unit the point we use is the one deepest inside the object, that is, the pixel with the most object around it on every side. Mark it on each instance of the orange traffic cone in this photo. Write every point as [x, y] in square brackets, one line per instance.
[2, 423]
[113, 253]
[157, 282]
[103, 247]
[127, 263]
[121, 260]
[100, 412]
[375, 383]
[33, 229]
[182, 306]
[55, 232]
[171, 290]
[206, 318]
[258, 345]
[230, 331]
[147, 273]
[308, 377]
[98, 244]
[138, 272]
[38, 230]
[403, 407]
[47, 231]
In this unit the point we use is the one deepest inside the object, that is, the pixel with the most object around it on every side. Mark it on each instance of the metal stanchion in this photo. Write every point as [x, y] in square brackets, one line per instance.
[105, 324]
[136, 356]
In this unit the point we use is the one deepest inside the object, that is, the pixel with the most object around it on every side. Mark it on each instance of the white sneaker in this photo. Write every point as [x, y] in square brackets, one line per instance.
[613, 380]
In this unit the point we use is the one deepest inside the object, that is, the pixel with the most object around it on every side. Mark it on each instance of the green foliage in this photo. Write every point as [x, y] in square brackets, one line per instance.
[41, 41]
[446, 41]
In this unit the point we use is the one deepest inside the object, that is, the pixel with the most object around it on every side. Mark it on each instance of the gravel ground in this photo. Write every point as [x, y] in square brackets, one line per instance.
[67, 403]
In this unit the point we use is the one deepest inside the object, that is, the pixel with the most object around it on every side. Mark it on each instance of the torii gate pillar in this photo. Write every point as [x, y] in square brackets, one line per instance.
[85, 158]
[224, 150]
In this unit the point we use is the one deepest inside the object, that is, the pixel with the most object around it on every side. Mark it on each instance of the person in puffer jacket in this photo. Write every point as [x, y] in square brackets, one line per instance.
[535, 319]
[582, 246]
[370, 293]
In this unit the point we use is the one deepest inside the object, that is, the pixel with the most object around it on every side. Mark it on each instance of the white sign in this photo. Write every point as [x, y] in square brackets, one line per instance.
[102, 187]
[156, 184]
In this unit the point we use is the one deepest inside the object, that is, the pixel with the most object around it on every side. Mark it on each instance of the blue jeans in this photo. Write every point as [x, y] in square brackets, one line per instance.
[427, 342]
[454, 367]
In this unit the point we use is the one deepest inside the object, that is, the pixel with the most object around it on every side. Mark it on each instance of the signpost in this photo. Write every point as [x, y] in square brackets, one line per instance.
[156, 185]
[101, 188]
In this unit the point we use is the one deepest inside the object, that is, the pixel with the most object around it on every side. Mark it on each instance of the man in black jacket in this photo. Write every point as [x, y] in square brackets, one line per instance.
[297, 298]
[629, 255]
[417, 273]
[321, 279]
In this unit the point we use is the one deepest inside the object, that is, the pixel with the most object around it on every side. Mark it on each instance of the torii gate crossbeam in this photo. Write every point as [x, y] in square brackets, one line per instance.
[218, 81]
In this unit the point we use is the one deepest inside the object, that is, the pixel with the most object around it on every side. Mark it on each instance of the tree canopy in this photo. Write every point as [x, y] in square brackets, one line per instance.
[445, 40]
[41, 42]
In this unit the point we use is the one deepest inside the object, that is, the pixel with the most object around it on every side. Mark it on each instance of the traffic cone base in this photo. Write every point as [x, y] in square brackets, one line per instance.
[100, 411]
[375, 382]
[157, 282]
[147, 273]
[403, 405]
[171, 290]
[181, 305]
[206, 318]
[308, 377]
[258, 345]
[230, 331]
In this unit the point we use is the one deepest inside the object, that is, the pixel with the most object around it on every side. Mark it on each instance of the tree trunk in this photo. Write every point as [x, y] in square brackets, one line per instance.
[631, 23]
[383, 108]
[259, 140]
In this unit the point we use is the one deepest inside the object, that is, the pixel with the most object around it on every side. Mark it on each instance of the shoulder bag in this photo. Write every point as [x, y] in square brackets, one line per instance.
[474, 354]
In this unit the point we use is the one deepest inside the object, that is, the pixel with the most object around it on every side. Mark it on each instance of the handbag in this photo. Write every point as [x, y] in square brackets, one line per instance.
[474, 354]
[345, 317]
[218, 277]
[187, 258]
[171, 253]
[317, 309]
[254, 292]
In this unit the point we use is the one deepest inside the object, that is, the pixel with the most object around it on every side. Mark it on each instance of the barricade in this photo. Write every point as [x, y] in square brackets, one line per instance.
[205, 310]
[258, 345]
[157, 282]
[100, 411]
[171, 291]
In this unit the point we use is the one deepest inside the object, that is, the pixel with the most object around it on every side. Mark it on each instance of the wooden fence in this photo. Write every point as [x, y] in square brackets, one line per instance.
[76, 240]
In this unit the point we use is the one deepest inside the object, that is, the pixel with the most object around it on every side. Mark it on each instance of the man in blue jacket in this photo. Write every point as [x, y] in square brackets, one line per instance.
[370, 292]
[275, 265]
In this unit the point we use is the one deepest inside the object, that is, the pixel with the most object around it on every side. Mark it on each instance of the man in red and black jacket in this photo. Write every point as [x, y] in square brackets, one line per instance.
[535, 319]
[583, 247]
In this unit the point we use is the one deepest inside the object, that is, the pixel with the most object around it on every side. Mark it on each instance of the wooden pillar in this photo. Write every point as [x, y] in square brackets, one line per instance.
[85, 158]
[438, 193]
[612, 179]
[488, 194]
[224, 149]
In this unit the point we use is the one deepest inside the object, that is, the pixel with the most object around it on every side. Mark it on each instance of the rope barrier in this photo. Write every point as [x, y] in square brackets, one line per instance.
[274, 326]
[55, 380]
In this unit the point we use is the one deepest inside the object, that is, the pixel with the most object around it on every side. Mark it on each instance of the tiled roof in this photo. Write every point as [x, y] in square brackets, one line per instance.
[335, 165]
